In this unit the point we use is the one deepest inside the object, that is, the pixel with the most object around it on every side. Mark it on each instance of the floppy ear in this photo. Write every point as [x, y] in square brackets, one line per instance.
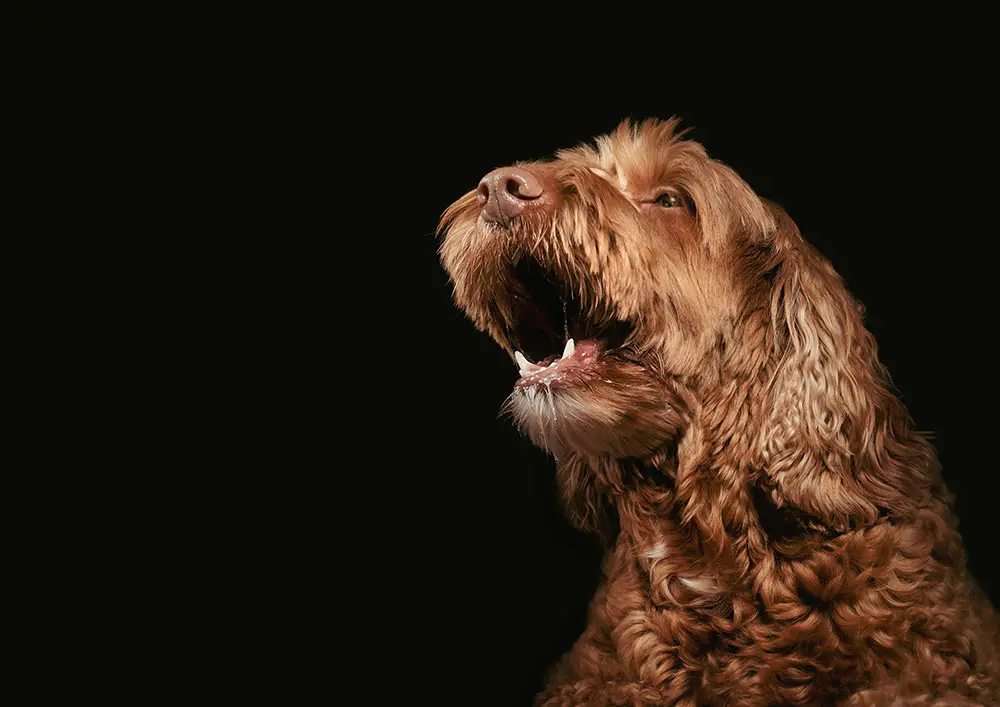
[835, 442]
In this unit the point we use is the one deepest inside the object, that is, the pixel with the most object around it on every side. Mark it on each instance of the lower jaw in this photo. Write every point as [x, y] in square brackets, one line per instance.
[556, 380]
[568, 372]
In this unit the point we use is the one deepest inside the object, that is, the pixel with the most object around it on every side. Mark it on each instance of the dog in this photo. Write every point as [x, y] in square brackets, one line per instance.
[777, 531]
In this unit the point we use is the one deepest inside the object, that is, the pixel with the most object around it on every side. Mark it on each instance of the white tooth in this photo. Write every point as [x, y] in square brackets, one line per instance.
[525, 374]
[570, 348]
[524, 364]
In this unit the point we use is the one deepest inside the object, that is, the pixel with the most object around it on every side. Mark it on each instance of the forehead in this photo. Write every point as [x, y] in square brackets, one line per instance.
[638, 156]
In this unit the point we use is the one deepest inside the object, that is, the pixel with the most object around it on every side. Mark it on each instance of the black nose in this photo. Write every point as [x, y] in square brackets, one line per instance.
[505, 193]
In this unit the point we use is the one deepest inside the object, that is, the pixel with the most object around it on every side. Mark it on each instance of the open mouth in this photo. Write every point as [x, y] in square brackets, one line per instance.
[559, 338]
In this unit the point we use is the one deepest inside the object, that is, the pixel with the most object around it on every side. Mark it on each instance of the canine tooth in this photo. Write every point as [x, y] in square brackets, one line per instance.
[570, 348]
[522, 361]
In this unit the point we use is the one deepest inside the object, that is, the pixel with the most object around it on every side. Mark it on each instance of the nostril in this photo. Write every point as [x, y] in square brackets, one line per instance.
[523, 185]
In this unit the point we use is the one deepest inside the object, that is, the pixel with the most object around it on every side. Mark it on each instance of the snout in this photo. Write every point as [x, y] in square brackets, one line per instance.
[508, 193]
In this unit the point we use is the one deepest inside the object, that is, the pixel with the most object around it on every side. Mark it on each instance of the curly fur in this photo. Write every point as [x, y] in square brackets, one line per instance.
[778, 533]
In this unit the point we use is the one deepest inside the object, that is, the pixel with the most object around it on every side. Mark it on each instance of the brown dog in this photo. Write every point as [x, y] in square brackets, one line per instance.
[778, 532]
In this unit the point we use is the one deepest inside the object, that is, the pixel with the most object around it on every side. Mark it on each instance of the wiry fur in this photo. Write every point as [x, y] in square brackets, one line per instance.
[778, 531]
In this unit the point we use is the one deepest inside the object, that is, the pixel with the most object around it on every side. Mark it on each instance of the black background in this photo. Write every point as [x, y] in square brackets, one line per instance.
[885, 176]
[336, 422]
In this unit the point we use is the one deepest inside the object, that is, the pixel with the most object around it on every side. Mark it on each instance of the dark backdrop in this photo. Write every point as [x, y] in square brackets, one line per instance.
[885, 177]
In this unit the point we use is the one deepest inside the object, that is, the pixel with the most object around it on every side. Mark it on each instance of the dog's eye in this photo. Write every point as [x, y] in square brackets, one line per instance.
[669, 199]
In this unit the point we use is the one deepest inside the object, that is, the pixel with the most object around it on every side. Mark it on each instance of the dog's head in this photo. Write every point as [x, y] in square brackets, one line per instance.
[609, 274]
[638, 282]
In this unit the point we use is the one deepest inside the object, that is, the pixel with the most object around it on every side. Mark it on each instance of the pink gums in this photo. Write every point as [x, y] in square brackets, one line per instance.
[563, 372]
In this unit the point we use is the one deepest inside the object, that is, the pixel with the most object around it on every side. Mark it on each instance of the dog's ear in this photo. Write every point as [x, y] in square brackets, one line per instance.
[835, 442]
